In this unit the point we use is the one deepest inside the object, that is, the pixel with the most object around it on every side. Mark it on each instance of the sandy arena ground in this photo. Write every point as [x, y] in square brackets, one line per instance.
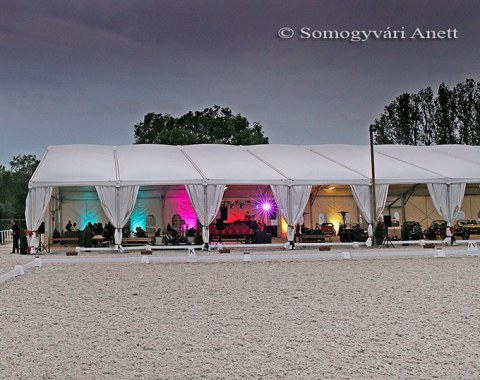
[380, 318]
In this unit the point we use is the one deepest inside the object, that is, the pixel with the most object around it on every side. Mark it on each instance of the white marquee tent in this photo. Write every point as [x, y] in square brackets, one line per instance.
[290, 170]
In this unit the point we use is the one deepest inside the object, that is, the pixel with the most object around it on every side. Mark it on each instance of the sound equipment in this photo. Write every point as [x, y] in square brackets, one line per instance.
[272, 230]
[223, 212]
[387, 220]
[261, 237]
[219, 224]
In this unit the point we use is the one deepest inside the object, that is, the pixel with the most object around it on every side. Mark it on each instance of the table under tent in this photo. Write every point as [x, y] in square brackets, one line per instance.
[117, 176]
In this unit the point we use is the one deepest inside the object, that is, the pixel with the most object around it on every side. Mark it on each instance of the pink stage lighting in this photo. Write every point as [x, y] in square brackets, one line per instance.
[265, 207]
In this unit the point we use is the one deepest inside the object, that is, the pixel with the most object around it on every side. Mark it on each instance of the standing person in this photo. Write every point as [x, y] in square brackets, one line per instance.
[16, 237]
[451, 234]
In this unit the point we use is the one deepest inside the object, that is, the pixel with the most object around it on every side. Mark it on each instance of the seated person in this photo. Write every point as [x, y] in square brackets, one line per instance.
[98, 228]
[106, 234]
[140, 232]
[172, 236]
[158, 232]
[109, 226]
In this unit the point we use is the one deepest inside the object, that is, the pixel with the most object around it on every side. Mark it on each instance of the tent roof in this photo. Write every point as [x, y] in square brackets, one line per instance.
[255, 164]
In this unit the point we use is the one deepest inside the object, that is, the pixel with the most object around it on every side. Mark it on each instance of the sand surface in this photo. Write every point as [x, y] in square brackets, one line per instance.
[354, 319]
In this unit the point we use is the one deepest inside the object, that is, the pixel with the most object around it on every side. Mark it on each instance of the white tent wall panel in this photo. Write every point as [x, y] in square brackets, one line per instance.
[147, 214]
[331, 207]
[421, 209]
[82, 212]
[178, 203]
[471, 206]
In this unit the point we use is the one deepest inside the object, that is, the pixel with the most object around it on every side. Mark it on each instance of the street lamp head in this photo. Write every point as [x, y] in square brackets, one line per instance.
[373, 128]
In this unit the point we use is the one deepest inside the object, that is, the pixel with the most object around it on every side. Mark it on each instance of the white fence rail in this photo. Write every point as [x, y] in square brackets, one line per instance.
[6, 236]
[192, 257]
[18, 271]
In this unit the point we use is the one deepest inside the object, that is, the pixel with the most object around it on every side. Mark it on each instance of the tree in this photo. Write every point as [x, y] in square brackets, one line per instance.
[24, 164]
[425, 105]
[214, 125]
[452, 117]
[444, 116]
[399, 122]
[14, 186]
[465, 98]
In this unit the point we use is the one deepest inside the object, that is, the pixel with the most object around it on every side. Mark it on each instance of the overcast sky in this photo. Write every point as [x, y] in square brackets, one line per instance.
[87, 71]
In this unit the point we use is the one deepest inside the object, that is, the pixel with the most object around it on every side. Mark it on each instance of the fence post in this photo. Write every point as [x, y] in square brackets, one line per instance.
[19, 269]
[37, 262]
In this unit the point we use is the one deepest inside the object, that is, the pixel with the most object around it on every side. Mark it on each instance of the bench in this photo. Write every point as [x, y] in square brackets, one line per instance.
[63, 241]
[306, 238]
[137, 241]
[243, 239]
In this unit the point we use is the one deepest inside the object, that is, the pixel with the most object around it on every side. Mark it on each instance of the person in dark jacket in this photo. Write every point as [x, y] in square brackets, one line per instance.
[16, 237]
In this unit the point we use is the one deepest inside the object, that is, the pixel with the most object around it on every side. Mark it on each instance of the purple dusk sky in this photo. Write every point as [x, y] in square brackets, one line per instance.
[87, 71]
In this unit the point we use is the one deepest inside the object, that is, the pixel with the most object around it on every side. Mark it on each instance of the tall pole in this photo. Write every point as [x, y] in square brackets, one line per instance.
[372, 129]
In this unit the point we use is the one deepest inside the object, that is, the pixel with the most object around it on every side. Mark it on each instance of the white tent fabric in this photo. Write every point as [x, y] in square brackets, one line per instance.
[206, 202]
[291, 201]
[447, 199]
[273, 164]
[118, 204]
[363, 197]
[36, 206]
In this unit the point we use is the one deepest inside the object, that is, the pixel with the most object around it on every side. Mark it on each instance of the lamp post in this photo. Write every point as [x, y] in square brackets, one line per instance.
[372, 130]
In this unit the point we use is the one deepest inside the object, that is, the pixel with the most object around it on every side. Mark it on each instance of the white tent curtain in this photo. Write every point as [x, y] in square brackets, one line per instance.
[206, 201]
[36, 206]
[118, 204]
[363, 197]
[291, 200]
[447, 199]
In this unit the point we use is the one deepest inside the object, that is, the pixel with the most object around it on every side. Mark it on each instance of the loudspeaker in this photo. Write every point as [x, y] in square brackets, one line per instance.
[219, 224]
[272, 230]
[224, 213]
[261, 237]
[387, 220]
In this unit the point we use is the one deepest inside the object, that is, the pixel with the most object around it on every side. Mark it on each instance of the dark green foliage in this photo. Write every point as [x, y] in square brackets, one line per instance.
[214, 125]
[14, 186]
[452, 117]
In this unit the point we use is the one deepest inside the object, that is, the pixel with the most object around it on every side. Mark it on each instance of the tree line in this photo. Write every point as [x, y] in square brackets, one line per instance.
[213, 125]
[14, 187]
[451, 116]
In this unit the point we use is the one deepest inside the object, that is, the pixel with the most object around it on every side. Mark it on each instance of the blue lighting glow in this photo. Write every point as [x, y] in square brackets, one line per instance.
[138, 219]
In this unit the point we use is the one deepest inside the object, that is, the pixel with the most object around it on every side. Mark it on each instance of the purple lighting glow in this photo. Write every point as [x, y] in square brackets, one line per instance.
[265, 207]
